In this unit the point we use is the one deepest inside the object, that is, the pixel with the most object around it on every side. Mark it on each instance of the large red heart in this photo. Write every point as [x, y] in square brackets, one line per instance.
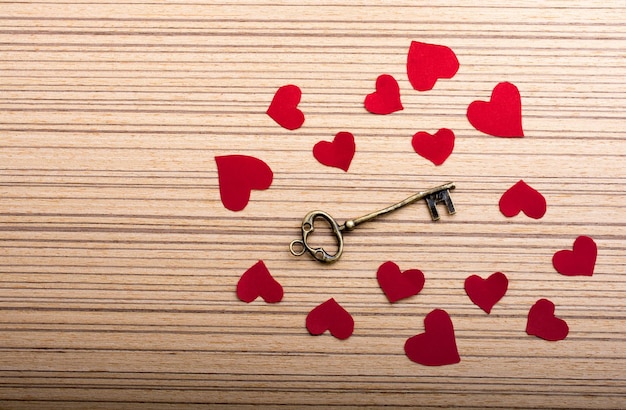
[437, 345]
[426, 63]
[386, 98]
[485, 293]
[258, 281]
[284, 107]
[580, 261]
[399, 285]
[238, 175]
[501, 116]
[542, 322]
[338, 153]
[332, 317]
[522, 197]
[435, 148]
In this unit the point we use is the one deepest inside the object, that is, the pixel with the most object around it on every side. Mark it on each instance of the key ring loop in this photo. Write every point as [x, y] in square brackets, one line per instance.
[300, 246]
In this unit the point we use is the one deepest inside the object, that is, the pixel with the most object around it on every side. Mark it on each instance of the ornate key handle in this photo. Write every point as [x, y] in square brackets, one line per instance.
[301, 246]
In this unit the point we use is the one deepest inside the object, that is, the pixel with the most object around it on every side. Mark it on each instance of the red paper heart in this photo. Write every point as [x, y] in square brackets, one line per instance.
[522, 197]
[437, 345]
[284, 107]
[258, 281]
[485, 293]
[338, 153]
[542, 322]
[238, 175]
[580, 261]
[501, 116]
[332, 317]
[435, 148]
[426, 63]
[386, 98]
[399, 285]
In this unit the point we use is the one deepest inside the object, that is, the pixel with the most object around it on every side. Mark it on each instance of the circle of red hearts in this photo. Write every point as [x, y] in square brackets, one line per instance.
[501, 116]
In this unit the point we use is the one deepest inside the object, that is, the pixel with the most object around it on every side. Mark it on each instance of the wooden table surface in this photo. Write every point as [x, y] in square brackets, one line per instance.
[119, 262]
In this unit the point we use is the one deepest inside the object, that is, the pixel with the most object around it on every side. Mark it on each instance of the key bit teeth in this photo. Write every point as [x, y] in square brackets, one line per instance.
[436, 197]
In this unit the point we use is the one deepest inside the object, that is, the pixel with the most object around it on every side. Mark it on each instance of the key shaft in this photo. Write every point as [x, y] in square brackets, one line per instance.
[432, 195]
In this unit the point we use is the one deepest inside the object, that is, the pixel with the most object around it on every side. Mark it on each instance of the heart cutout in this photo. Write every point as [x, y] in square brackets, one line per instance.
[399, 285]
[501, 116]
[284, 107]
[435, 148]
[238, 175]
[437, 345]
[426, 63]
[332, 317]
[258, 281]
[485, 293]
[386, 98]
[542, 322]
[338, 153]
[580, 261]
[522, 197]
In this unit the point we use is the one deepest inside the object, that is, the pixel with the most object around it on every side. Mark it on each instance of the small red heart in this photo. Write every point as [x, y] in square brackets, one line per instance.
[426, 63]
[338, 153]
[542, 322]
[332, 317]
[258, 281]
[284, 107]
[522, 197]
[238, 175]
[485, 293]
[435, 148]
[386, 98]
[580, 261]
[399, 285]
[437, 345]
[501, 116]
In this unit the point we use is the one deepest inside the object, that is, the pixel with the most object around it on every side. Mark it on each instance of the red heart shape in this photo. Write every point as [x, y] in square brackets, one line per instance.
[501, 116]
[426, 63]
[238, 175]
[399, 285]
[485, 293]
[332, 317]
[386, 98]
[338, 153]
[437, 345]
[435, 148]
[580, 261]
[522, 197]
[284, 107]
[258, 281]
[542, 322]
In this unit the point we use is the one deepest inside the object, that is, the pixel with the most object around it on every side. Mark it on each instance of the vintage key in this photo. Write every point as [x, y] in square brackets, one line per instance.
[300, 246]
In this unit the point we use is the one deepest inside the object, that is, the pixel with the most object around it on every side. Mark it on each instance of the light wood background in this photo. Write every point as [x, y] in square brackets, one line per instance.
[119, 263]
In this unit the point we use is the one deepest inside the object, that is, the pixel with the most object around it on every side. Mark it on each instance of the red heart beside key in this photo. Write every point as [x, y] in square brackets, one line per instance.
[338, 153]
[485, 293]
[399, 285]
[435, 148]
[284, 107]
[501, 116]
[542, 322]
[332, 317]
[258, 281]
[386, 98]
[437, 345]
[238, 175]
[426, 63]
[521, 197]
[580, 261]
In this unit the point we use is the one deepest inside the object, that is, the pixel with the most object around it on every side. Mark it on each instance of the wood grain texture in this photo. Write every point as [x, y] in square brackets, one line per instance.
[118, 262]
